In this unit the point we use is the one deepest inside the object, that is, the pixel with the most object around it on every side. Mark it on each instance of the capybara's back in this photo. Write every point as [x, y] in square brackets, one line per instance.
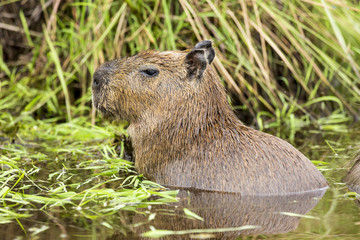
[184, 132]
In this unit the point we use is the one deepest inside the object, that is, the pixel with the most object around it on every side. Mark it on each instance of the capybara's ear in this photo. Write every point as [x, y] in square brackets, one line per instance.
[208, 50]
[198, 59]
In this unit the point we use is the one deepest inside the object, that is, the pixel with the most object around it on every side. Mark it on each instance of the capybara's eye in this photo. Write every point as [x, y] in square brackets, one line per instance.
[96, 82]
[150, 72]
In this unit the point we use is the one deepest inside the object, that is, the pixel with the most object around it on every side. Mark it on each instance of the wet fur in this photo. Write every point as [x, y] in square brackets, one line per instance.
[185, 134]
[352, 179]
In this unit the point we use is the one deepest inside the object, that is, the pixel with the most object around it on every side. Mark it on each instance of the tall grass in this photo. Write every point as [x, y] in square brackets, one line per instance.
[285, 63]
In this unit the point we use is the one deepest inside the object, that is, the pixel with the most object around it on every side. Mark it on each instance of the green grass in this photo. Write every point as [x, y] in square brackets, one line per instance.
[285, 65]
[72, 166]
[288, 66]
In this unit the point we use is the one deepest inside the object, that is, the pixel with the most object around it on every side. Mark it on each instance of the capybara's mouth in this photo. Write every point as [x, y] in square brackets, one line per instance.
[100, 102]
[96, 101]
[106, 113]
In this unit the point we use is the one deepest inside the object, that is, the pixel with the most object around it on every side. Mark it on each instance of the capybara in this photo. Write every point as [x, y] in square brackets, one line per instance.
[184, 132]
[352, 179]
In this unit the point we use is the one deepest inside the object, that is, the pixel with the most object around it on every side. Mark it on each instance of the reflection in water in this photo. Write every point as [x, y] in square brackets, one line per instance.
[221, 210]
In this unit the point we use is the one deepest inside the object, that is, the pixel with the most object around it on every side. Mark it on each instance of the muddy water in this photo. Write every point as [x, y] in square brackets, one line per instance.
[324, 214]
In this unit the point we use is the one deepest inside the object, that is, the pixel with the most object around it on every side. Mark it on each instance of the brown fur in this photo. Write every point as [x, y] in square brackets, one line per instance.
[185, 134]
[352, 179]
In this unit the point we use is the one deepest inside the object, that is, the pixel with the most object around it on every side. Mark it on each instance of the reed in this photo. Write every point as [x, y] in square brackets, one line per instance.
[287, 64]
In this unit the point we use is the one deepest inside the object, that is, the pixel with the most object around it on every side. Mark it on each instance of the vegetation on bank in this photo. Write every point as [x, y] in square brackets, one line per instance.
[287, 65]
[290, 64]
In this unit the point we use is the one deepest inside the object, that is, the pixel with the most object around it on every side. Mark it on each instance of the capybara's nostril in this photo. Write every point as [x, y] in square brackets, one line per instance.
[96, 82]
[101, 75]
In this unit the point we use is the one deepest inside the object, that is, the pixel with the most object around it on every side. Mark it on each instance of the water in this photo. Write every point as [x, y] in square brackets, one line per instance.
[258, 215]
[327, 214]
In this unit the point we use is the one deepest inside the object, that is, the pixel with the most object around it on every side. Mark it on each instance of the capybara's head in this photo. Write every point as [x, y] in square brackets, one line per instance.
[130, 88]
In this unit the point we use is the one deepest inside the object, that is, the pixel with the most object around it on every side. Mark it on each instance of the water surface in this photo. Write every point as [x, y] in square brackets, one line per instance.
[325, 214]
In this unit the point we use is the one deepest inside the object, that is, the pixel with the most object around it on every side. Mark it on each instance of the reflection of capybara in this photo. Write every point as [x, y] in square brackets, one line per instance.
[270, 214]
[184, 132]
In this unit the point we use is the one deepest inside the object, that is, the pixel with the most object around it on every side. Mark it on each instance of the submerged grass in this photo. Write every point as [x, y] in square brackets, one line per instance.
[72, 166]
